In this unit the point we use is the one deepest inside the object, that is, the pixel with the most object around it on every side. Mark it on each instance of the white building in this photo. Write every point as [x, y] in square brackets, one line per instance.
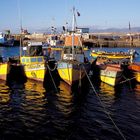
[82, 30]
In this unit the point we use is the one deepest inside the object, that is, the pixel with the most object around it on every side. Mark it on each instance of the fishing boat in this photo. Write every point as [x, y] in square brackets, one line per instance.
[111, 74]
[113, 55]
[33, 61]
[6, 40]
[135, 68]
[73, 65]
[108, 72]
[12, 72]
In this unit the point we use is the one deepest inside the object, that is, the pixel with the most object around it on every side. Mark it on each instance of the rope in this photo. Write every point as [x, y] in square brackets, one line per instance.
[127, 79]
[53, 68]
[52, 79]
[104, 106]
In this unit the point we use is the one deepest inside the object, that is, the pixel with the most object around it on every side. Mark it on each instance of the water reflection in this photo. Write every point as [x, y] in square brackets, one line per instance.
[32, 112]
[64, 98]
[4, 90]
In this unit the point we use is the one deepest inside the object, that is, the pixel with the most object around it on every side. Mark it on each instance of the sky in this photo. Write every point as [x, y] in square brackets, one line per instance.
[42, 14]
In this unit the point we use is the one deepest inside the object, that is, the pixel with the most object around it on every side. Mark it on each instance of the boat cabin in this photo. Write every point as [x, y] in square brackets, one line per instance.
[69, 54]
[33, 49]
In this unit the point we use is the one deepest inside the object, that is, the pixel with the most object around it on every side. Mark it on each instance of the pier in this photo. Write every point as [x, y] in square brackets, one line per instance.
[91, 39]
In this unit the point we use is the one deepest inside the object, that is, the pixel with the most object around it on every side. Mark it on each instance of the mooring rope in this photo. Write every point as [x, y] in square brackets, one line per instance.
[53, 68]
[126, 79]
[102, 104]
[52, 78]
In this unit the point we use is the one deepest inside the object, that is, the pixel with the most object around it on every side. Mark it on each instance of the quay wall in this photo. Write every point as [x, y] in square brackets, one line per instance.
[93, 40]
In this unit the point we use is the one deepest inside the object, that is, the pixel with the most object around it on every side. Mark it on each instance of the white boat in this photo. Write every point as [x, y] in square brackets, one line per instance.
[5, 40]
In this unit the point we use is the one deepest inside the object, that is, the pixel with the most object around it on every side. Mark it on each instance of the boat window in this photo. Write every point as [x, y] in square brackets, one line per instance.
[78, 50]
[68, 50]
[27, 60]
[23, 60]
[40, 59]
[33, 59]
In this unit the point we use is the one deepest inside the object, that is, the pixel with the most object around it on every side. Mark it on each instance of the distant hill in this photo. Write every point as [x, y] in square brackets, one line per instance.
[91, 29]
[134, 29]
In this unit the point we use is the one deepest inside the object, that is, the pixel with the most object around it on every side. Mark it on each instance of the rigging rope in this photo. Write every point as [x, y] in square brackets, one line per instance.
[102, 104]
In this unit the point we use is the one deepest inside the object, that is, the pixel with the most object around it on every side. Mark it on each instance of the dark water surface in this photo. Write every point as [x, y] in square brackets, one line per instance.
[31, 112]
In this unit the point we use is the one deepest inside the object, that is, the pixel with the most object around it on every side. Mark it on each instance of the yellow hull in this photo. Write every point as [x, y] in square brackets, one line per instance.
[111, 75]
[3, 71]
[111, 56]
[71, 75]
[56, 49]
[110, 80]
[59, 49]
[34, 70]
[137, 75]
[35, 73]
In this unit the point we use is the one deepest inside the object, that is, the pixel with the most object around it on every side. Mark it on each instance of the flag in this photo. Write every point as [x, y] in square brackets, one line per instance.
[78, 13]
[63, 28]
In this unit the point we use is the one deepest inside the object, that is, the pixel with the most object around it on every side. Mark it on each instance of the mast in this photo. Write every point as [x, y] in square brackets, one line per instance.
[131, 42]
[19, 12]
[73, 30]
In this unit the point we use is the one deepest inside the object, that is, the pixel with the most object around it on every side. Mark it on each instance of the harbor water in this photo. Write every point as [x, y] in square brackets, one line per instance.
[32, 112]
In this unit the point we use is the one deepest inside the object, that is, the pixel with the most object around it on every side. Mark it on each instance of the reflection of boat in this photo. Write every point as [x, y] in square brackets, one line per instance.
[65, 88]
[65, 98]
[113, 55]
[4, 90]
[34, 86]
[73, 63]
[105, 88]
[135, 67]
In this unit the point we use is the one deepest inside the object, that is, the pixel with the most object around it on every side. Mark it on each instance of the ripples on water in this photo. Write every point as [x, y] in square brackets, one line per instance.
[31, 112]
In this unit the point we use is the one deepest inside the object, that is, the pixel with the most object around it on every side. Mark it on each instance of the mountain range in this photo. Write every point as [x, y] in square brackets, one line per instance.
[92, 30]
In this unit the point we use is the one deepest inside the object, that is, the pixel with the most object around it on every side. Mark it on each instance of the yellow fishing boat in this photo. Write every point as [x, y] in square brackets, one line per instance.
[112, 74]
[34, 67]
[33, 61]
[109, 72]
[73, 65]
[12, 72]
[112, 55]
